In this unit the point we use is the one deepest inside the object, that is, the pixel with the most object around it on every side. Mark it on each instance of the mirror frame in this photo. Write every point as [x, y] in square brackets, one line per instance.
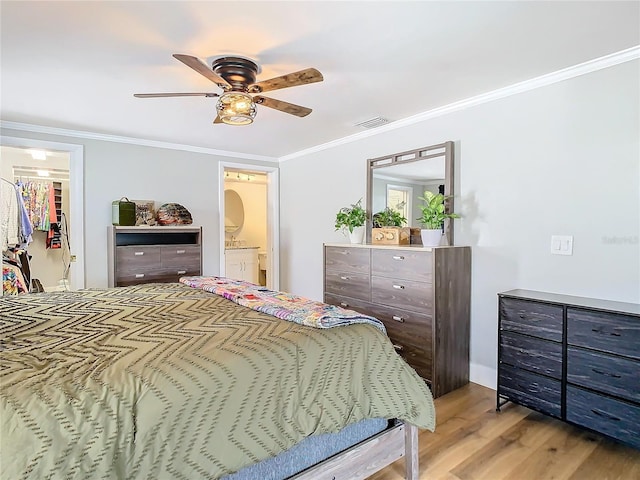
[441, 150]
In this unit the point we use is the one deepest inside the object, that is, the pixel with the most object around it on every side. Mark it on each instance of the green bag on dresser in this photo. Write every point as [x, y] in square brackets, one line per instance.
[123, 212]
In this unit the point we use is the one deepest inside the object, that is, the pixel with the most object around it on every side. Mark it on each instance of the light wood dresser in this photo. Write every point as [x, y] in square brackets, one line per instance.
[574, 358]
[421, 294]
[153, 254]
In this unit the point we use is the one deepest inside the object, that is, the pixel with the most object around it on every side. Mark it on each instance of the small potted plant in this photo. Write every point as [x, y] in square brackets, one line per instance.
[433, 216]
[388, 227]
[351, 221]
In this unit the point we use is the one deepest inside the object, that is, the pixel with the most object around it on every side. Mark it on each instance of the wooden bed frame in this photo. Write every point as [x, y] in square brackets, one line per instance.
[369, 456]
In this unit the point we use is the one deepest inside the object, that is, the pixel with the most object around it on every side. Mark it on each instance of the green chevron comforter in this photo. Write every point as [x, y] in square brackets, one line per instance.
[164, 381]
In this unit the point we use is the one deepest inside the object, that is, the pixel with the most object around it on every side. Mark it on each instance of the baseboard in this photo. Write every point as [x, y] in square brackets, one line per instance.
[482, 375]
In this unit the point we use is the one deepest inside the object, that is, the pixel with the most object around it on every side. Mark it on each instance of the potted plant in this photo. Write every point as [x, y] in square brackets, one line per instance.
[388, 227]
[388, 218]
[351, 221]
[433, 216]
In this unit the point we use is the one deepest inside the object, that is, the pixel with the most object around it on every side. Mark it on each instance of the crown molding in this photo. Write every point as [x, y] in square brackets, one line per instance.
[601, 63]
[590, 66]
[131, 140]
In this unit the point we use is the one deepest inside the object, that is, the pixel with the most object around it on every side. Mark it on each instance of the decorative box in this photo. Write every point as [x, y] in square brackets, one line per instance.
[390, 236]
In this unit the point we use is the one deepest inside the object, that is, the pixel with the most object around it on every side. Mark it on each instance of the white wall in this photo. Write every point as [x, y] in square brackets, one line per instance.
[114, 170]
[562, 159]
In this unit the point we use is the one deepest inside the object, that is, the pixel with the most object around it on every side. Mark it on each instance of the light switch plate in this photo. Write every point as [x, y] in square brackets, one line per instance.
[562, 244]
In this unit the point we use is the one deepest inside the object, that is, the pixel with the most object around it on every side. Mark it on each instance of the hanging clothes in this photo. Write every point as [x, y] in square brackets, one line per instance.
[9, 215]
[13, 282]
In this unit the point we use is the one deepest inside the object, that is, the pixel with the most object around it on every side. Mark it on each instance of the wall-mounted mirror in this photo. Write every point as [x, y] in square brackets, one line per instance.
[233, 211]
[398, 180]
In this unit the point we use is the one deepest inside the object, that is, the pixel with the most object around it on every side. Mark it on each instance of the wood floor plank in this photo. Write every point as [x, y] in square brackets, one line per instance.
[609, 461]
[473, 442]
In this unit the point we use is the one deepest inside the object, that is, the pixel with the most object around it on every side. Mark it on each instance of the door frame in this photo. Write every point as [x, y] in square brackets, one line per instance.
[76, 198]
[273, 218]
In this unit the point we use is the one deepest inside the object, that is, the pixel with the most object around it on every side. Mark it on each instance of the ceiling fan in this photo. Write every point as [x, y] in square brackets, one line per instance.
[236, 76]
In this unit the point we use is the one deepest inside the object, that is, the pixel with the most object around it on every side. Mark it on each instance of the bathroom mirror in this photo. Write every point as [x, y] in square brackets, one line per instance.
[400, 178]
[233, 211]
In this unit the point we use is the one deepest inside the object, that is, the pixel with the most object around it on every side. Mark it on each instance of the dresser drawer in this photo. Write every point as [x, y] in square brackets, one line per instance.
[354, 285]
[532, 318]
[608, 374]
[135, 276]
[137, 258]
[533, 354]
[407, 264]
[404, 294]
[349, 303]
[418, 356]
[405, 325]
[180, 256]
[609, 332]
[347, 259]
[612, 417]
[530, 389]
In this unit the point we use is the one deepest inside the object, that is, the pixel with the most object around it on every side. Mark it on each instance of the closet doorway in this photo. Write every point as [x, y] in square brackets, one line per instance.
[255, 195]
[57, 260]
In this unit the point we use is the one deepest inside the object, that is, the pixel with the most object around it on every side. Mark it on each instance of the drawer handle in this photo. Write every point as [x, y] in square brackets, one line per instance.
[343, 252]
[139, 253]
[398, 348]
[139, 275]
[597, 330]
[344, 304]
[614, 375]
[181, 272]
[605, 415]
[344, 277]
[398, 257]
[398, 318]
[399, 287]
[178, 252]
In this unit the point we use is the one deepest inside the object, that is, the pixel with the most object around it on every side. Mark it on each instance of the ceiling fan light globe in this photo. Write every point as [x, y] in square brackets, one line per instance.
[236, 108]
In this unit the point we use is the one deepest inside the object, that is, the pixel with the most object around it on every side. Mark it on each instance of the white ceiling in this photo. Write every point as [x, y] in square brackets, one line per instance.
[76, 65]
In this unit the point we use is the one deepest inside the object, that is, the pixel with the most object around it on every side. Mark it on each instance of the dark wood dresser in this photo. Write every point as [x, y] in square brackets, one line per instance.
[575, 358]
[153, 254]
[421, 294]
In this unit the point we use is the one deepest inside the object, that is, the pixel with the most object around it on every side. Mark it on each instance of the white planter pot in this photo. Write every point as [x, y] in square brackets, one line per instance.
[357, 235]
[431, 238]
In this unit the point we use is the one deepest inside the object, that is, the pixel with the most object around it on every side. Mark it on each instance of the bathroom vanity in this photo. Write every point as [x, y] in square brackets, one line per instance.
[241, 263]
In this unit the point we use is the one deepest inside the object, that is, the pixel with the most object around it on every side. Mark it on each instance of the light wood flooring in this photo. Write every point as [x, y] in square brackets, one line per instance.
[473, 441]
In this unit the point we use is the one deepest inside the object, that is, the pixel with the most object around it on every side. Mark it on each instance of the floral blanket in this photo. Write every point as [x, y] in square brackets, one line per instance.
[285, 306]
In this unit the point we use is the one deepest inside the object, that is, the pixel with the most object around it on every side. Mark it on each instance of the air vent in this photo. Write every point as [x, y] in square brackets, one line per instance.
[372, 122]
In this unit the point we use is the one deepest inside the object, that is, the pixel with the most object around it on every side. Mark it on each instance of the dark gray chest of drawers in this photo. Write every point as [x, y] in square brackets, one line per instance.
[421, 294]
[153, 254]
[575, 358]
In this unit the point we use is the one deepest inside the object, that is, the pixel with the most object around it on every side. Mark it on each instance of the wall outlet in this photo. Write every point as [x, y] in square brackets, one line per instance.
[562, 244]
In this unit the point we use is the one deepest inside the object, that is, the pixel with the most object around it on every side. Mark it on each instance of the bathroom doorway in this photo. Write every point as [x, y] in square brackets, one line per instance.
[249, 223]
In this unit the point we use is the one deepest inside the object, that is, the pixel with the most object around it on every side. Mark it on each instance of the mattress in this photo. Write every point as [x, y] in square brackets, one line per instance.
[167, 381]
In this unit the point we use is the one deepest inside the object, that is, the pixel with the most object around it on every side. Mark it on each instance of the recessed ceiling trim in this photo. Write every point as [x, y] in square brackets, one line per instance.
[131, 140]
[594, 65]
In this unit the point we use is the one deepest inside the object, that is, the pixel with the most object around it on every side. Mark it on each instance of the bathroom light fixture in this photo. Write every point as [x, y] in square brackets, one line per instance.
[236, 108]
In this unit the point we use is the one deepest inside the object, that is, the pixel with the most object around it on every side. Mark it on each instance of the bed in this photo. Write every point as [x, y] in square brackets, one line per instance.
[172, 381]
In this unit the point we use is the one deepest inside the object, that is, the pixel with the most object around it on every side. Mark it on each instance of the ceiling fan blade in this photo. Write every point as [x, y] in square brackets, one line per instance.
[309, 75]
[285, 107]
[154, 95]
[217, 119]
[202, 68]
